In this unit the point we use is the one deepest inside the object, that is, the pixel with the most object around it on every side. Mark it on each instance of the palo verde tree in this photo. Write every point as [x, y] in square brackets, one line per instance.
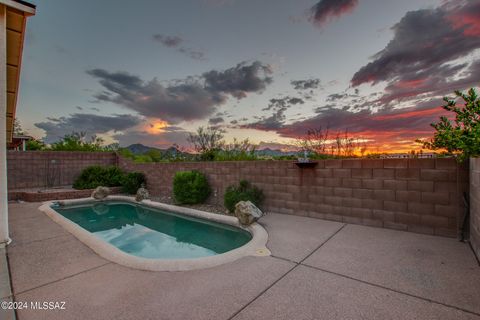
[207, 141]
[460, 136]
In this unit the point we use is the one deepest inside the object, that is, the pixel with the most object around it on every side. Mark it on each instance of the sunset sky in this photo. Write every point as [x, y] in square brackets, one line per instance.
[152, 71]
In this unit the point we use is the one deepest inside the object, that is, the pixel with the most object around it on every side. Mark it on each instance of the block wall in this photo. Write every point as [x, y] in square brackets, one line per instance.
[37, 169]
[418, 195]
[475, 205]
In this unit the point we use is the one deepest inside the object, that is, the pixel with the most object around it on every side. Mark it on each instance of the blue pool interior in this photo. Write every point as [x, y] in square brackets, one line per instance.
[151, 233]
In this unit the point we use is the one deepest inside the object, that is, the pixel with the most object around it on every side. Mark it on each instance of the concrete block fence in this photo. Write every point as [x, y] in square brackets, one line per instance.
[475, 205]
[38, 169]
[417, 195]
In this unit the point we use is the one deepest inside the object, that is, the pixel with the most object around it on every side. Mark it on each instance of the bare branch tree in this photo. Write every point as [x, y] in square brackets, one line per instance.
[206, 141]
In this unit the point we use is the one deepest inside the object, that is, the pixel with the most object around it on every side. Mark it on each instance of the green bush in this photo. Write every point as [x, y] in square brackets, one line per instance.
[95, 176]
[459, 136]
[190, 187]
[243, 192]
[132, 182]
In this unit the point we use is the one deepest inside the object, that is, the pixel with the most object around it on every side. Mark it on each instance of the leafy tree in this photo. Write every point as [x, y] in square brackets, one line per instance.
[155, 155]
[460, 136]
[35, 145]
[76, 141]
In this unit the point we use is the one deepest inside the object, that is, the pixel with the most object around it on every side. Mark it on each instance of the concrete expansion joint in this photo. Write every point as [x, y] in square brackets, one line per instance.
[67, 277]
[390, 289]
[301, 263]
[296, 264]
[41, 240]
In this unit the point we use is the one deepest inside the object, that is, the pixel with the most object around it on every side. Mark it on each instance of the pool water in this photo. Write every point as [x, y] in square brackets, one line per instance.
[155, 234]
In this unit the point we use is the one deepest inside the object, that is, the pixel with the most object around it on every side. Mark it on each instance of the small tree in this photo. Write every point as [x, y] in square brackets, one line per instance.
[206, 142]
[462, 135]
[76, 141]
[35, 145]
[316, 140]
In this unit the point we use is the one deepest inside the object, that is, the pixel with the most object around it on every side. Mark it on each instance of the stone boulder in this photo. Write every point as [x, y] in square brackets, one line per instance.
[247, 212]
[142, 194]
[100, 193]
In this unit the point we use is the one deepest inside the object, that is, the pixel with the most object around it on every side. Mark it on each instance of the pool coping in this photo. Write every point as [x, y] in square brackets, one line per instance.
[255, 247]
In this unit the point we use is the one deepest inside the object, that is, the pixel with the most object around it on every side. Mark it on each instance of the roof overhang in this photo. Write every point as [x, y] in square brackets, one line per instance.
[16, 17]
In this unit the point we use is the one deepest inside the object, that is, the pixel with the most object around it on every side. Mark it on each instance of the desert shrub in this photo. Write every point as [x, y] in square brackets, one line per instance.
[190, 187]
[132, 182]
[95, 176]
[243, 192]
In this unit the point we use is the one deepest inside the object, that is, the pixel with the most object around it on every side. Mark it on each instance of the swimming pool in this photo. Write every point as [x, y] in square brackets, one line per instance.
[155, 236]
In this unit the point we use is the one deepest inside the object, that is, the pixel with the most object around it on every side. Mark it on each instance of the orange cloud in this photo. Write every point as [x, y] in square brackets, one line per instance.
[156, 127]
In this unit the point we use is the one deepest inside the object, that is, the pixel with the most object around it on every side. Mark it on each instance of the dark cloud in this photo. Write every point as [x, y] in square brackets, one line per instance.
[174, 103]
[283, 103]
[91, 124]
[427, 62]
[216, 120]
[192, 53]
[277, 119]
[79, 108]
[183, 100]
[271, 123]
[308, 84]
[327, 10]
[322, 108]
[239, 80]
[176, 43]
[168, 41]
[336, 96]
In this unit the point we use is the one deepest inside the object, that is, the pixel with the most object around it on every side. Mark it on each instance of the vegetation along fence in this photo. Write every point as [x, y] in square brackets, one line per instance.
[418, 195]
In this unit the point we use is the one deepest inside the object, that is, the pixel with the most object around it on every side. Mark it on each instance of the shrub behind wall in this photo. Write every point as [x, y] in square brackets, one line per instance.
[243, 192]
[109, 176]
[95, 176]
[132, 182]
[190, 187]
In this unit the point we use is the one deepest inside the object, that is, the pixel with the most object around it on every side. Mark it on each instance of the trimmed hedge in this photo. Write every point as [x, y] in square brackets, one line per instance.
[190, 187]
[243, 192]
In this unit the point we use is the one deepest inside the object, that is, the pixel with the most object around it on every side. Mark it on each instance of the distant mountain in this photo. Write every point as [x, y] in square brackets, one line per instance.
[139, 148]
[274, 152]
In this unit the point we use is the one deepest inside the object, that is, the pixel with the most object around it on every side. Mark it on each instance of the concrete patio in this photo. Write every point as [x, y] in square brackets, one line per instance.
[318, 270]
